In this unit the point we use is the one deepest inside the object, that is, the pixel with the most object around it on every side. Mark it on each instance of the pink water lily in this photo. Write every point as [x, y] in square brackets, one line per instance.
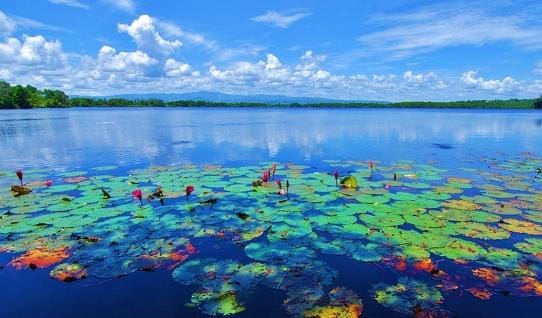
[189, 189]
[20, 174]
[281, 190]
[371, 164]
[48, 183]
[138, 194]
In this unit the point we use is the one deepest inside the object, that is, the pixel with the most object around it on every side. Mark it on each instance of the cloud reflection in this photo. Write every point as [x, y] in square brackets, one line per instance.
[81, 137]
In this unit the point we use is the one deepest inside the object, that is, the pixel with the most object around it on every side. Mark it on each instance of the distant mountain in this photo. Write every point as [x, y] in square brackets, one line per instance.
[229, 98]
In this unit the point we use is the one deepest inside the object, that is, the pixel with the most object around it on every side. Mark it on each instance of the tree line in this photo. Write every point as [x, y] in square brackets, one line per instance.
[30, 97]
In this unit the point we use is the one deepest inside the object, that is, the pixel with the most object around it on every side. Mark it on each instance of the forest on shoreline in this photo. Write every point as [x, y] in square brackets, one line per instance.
[21, 97]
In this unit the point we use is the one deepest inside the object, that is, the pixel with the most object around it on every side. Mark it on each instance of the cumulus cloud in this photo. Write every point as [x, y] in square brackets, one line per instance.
[71, 3]
[32, 51]
[143, 32]
[110, 60]
[421, 80]
[272, 73]
[473, 81]
[153, 66]
[174, 68]
[280, 20]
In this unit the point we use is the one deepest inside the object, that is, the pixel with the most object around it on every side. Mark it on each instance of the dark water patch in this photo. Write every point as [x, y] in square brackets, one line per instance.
[443, 146]
[138, 295]
[181, 142]
[31, 119]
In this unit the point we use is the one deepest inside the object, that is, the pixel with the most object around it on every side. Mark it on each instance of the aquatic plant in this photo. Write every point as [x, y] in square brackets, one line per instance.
[485, 225]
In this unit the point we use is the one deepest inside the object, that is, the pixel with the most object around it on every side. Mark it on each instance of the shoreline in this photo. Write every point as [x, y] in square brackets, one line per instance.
[304, 106]
[28, 97]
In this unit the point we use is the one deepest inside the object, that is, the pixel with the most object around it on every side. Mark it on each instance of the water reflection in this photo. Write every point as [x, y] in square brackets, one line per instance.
[79, 137]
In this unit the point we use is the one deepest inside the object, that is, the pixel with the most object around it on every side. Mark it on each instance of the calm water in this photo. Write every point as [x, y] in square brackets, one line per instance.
[137, 138]
[82, 137]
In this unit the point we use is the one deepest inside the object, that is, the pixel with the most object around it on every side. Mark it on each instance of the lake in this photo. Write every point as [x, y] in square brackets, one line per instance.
[443, 217]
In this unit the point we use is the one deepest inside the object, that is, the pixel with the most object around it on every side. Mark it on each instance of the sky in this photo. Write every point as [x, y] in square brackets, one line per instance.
[352, 49]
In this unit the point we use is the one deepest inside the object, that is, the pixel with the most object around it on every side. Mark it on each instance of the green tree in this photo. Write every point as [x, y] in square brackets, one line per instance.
[538, 103]
[34, 96]
[20, 97]
[6, 98]
[55, 98]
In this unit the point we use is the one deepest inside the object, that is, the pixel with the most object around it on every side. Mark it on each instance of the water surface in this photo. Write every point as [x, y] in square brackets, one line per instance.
[59, 140]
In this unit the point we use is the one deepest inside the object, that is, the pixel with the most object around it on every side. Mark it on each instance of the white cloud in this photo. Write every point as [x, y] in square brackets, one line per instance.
[171, 29]
[241, 51]
[110, 60]
[441, 26]
[27, 23]
[9, 24]
[147, 38]
[309, 61]
[472, 81]
[124, 5]
[6, 24]
[71, 3]
[175, 68]
[538, 68]
[423, 80]
[535, 88]
[272, 72]
[32, 51]
[280, 20]
[42, 62]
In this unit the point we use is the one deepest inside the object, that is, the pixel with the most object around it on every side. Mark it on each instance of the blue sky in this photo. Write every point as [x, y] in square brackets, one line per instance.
[370, 50]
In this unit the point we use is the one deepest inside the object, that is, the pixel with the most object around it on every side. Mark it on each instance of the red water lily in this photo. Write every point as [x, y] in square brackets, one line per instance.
[336, 174]
[138, 194]
[48, 183]
[19, 174]
[265, 176]
[189, 190]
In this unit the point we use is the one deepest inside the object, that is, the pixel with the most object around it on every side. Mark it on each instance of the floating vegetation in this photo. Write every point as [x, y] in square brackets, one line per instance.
[409, 297]
[410, 217]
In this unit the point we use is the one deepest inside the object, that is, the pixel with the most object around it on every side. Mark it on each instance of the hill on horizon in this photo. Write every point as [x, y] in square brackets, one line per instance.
[228, 98]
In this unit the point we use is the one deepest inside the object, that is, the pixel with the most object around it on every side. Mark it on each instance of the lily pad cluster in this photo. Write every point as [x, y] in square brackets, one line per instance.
[409, 297]
[411, 217]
